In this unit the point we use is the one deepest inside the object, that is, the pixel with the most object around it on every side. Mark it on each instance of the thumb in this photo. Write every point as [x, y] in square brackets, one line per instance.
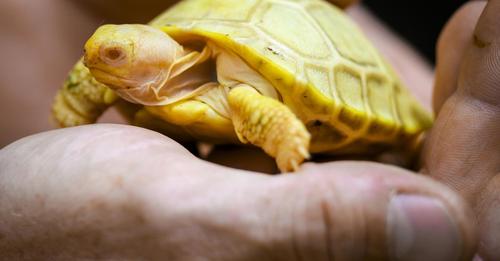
[368, 211]
[121, 192]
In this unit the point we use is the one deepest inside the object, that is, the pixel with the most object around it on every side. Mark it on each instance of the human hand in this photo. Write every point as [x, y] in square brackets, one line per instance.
[97, 191]
[121, 192]
[463, 149]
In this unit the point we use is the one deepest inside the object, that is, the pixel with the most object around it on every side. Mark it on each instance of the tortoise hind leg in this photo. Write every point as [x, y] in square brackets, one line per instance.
[269, 124]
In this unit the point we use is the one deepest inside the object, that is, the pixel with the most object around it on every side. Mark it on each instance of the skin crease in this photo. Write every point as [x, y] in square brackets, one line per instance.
[96, 191]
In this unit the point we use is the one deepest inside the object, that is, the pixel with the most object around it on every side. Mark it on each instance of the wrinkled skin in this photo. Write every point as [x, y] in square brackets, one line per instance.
[111, 191]
[463, 150]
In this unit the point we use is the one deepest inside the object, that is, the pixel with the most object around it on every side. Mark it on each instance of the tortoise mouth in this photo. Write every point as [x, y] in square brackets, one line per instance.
[112, 80]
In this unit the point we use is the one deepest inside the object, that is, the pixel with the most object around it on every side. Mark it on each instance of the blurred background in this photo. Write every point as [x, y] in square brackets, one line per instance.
[40, 41]
[419, 22]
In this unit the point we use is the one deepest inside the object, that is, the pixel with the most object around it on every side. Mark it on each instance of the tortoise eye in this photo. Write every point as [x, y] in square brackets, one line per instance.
[113, 55]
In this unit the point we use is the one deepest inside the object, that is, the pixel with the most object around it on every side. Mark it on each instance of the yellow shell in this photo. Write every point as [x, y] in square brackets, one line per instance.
[324, 68]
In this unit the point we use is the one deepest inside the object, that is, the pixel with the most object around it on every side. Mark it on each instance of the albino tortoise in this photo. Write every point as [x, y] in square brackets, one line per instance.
[291, 77]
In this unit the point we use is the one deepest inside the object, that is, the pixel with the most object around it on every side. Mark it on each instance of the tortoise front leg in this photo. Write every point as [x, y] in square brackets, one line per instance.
[269, 124]
[82, 99]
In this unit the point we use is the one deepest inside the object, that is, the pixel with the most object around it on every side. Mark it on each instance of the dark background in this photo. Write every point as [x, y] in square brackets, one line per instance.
[420, 21]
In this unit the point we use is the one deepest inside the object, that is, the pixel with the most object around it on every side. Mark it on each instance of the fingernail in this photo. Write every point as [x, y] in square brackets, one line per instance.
[420, 228]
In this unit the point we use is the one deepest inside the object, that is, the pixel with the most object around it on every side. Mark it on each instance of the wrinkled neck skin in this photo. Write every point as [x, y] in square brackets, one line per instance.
[183, 79]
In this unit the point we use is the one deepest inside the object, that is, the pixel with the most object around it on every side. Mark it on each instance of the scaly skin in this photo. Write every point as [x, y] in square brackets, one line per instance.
[271, 125]
[82, 99]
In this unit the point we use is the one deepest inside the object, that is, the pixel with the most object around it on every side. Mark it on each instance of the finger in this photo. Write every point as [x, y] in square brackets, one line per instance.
[68, 192]
[127, 193]
[462, 150]
[482, 83]
[369, 211]
[452, 44]
[121, 192]
[482, 66]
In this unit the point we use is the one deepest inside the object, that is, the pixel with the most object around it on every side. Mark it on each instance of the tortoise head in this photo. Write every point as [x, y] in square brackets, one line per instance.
[130, 57]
